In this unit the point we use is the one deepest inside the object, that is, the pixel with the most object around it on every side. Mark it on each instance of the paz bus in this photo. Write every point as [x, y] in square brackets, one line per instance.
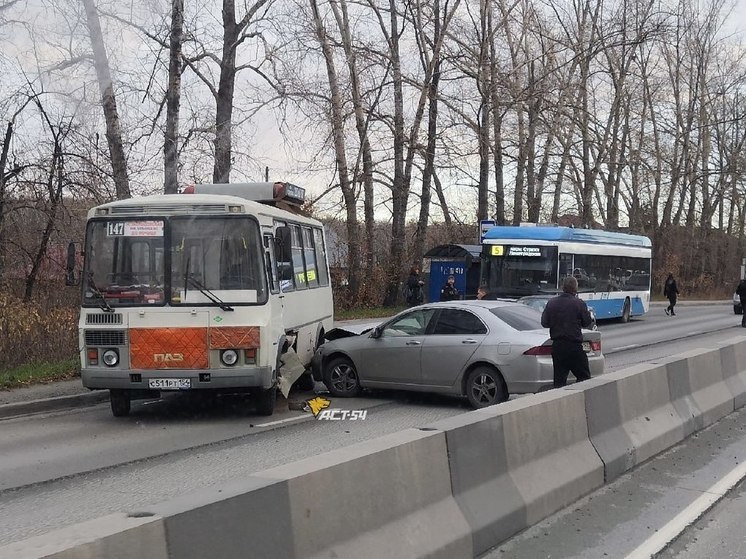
[204, 290]
[613, 269]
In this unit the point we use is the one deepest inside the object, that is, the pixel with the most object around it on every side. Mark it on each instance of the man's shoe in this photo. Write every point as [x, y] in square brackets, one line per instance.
[667, 313]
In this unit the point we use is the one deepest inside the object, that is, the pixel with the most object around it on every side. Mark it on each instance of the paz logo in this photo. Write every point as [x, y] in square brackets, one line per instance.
[218, 319]
[317, 404]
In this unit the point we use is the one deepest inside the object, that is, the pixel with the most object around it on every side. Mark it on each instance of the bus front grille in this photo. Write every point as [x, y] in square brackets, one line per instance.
[105, 337]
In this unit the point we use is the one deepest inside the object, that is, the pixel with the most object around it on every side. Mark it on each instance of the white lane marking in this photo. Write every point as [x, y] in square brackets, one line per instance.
[283, 421]
[624, 347]
[658, 541]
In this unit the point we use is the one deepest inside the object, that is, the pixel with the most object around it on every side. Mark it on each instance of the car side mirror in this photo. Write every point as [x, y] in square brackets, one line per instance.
[376, 332]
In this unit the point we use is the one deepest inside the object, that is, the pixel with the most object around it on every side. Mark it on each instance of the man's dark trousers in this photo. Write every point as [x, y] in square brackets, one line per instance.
[569, 356]
[743, 310]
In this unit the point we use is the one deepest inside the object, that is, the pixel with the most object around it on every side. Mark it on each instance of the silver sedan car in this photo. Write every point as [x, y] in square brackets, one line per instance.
[483, 350]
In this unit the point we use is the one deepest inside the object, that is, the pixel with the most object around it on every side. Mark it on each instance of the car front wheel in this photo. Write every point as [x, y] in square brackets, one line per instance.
[341, 378]
[485, 387]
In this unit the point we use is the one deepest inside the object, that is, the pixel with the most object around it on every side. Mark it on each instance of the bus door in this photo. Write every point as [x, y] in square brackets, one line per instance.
[276, 298]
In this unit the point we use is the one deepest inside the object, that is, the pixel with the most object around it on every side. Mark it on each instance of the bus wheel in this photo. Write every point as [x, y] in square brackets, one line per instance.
[305, 382]
[265, 401]
[626, 311]
[120, 402]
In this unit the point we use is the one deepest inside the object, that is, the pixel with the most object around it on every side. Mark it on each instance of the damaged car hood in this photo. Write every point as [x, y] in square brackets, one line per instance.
[349, 330]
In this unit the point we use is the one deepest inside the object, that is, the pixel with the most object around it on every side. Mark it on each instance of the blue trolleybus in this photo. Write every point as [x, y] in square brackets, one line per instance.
[613, 269]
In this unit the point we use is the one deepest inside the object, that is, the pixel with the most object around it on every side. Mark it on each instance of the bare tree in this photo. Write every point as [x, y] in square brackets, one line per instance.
[173, 99]
[109, 102]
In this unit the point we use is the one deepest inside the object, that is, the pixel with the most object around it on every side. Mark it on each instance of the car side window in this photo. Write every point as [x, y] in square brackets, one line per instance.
[411, 324]
[455, 321]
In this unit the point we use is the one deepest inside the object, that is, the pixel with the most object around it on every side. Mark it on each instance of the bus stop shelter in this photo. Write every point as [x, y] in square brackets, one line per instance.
[460, 261]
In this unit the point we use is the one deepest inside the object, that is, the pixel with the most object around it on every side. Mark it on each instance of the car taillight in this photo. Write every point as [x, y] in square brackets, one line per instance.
[539, 350]
[596, 345]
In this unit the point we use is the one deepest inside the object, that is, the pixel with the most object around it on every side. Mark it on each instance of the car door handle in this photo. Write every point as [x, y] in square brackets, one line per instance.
[414, 342]
[469, 341]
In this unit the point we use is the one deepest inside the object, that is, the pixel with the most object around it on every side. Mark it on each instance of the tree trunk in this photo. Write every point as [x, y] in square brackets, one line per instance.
[55, 196]
[173, 99]
[432, 133]
[340, 152]
[109, 102]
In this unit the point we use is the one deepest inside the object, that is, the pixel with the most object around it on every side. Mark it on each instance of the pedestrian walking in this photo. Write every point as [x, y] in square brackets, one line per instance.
[671, 291]
[414, 288]
[449, 291]
[565, 316]
[741, 292]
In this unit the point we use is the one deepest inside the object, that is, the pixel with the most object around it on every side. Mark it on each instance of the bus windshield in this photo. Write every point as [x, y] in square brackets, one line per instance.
[126, 262]
[516, 271]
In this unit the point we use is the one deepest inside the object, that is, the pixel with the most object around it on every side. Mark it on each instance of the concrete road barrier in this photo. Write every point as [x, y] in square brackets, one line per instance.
[452, 490]
[698, 388]
[389, 497]
[733, 365]
[117, 536]
[550, 457]
[630, 417]
[482, 486]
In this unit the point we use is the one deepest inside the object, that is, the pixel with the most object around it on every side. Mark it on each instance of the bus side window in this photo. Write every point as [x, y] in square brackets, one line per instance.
[321, 257]
[565, 267]
[309, 255]
[270, 260]
[284, 258]
[299, 266]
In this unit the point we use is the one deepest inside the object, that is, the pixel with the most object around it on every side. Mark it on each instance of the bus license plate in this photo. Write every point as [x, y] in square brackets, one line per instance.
[169, 383]
[586, 347]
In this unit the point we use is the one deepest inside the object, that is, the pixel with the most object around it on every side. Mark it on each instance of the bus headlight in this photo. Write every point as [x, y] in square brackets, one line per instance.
[229, 357]
[110, 357]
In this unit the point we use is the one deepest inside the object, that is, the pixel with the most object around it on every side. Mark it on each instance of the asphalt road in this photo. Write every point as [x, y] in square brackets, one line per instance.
[65, 467]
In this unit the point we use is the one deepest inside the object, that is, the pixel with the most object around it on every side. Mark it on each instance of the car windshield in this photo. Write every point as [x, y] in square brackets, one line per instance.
[215, 257]
[519, 317]
[515, 271]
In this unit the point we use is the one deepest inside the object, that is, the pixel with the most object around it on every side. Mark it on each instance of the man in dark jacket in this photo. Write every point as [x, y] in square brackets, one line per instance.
[414, 288]
[449, 291]
[671, 291]
[565, 316]
[741, 292]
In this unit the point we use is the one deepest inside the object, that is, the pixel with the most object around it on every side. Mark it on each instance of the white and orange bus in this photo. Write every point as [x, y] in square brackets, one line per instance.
[204, 290]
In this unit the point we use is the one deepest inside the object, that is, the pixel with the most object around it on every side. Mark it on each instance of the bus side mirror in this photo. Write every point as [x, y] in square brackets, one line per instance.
[71, 278]
[283, 244]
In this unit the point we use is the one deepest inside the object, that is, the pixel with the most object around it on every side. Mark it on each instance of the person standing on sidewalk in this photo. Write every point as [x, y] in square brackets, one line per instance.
[671, 291]
[741, 292]
[449, 291]
[565, 316]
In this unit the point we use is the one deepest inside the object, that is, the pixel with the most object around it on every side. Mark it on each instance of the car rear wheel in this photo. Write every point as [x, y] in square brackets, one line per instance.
[340, 377]
[485, 387]
[120, 402]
